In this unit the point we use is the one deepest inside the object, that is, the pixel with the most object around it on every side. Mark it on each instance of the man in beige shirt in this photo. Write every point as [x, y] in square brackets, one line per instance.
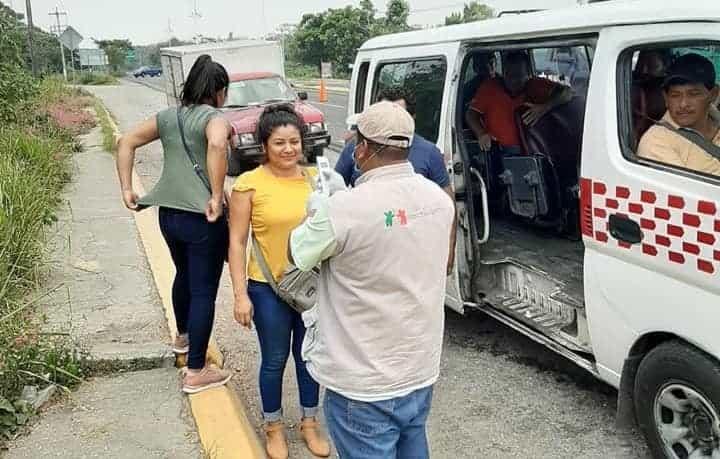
[690, 91]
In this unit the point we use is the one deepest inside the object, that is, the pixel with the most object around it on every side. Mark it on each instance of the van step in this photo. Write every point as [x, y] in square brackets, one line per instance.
[536, 300]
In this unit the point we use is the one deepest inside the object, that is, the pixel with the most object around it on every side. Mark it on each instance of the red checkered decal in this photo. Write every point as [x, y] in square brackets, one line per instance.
[679, 229]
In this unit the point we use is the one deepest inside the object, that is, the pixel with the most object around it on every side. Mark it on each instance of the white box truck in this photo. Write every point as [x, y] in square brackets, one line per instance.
[236, 56]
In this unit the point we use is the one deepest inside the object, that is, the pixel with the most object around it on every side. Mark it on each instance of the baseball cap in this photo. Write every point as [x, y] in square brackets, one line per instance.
[691, 68]
[387, 123]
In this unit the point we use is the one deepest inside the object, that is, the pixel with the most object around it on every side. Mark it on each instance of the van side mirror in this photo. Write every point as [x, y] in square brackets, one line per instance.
[302, 95]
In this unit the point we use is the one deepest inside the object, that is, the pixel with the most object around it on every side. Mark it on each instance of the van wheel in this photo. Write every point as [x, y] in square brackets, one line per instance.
[677, 396]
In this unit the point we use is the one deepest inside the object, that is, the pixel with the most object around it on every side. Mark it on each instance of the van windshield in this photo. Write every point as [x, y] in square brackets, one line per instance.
[258, 91]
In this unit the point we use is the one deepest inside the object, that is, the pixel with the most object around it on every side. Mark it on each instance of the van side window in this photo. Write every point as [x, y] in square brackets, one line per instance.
[569, 65]
[671, 99]
[426, 79]
[361, 86]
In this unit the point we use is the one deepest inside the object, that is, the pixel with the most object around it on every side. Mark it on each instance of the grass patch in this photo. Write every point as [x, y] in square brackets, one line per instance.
[35, 154]
[96, 79]
[106, 127]
[297, 71]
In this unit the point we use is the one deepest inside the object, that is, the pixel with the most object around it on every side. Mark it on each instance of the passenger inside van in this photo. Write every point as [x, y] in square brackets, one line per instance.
[648, 101]
[491, 115]
[484, 66]
[688, 136]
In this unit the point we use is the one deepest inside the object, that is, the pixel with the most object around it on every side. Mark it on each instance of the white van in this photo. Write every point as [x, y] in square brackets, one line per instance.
[607, 258]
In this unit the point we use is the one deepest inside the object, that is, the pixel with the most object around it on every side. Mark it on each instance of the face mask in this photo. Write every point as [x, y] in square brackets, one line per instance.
[358, 167]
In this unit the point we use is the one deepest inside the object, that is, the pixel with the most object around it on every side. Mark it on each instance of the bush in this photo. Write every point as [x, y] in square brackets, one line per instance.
[34, 167]
[17, 88]
[297, 71]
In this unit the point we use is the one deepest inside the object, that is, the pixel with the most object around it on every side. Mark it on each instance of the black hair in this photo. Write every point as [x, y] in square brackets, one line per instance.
[275, 116]
[205, 80]
[397, 93]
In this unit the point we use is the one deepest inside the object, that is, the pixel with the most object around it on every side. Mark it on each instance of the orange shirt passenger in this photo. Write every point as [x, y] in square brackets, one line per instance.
[492, 111]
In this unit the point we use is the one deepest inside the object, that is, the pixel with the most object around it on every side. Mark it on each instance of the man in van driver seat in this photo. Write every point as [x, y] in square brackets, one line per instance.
[492, 111]
[690, 90]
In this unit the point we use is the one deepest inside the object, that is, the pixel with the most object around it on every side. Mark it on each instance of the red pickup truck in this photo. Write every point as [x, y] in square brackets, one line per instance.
[248, 95]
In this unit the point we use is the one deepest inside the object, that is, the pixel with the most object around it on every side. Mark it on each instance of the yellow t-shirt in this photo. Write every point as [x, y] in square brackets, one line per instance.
[278, 207]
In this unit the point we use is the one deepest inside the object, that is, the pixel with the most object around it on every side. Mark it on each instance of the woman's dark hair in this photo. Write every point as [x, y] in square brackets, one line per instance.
[275, 116]
[205, 80]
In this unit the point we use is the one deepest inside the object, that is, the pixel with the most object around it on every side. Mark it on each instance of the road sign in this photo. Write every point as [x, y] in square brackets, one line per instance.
[130, 55]
[70, 38]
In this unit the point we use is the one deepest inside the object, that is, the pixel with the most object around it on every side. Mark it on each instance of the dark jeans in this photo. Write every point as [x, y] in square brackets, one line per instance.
[279, 326]
[198, 249]
[393, 428]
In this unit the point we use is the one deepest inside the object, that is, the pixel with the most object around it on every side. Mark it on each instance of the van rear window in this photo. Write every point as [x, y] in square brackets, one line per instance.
[425, 79]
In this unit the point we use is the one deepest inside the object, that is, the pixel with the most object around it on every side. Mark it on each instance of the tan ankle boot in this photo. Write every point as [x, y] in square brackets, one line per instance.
[314, 439]
[276, 444]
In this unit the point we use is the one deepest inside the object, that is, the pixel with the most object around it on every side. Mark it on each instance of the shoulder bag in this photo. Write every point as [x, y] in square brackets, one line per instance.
[296, 288]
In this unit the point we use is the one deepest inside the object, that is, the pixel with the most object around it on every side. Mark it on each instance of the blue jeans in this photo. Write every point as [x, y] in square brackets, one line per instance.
[198, 251]
[393, 428]
[278, 327]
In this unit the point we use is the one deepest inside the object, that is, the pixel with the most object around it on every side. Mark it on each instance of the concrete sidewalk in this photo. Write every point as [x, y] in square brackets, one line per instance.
[107, 301]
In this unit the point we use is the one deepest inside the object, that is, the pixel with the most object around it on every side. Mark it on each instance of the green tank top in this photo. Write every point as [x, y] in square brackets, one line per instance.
[179, 186]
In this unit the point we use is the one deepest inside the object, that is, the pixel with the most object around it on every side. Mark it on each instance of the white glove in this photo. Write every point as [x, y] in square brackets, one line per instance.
[334, 181]
[315, 201]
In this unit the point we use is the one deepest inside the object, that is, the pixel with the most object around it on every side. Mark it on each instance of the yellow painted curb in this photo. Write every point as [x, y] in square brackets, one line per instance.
[224, 429]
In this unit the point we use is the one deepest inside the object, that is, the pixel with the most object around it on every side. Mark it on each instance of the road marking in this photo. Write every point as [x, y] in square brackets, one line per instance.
[224, 428]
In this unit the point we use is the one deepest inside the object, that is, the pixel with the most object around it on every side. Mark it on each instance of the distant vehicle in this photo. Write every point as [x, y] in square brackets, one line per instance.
[142, 72]
[248, 95]
[239, 56]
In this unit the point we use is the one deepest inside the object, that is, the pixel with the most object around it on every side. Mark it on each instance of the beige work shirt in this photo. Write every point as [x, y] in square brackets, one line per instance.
[665, 146]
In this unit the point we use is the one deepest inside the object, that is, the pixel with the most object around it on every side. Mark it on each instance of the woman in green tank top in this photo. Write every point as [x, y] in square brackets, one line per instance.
[190, 198]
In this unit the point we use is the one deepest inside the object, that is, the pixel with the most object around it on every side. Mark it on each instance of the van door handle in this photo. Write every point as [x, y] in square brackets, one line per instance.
[624, 229]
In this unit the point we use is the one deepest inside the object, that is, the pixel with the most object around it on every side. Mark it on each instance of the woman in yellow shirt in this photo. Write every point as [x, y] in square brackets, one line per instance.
[271, 200]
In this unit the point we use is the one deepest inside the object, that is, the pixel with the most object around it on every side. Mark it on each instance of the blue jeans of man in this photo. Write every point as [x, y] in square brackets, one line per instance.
[198, 250]
[280, 328]
[393, 428]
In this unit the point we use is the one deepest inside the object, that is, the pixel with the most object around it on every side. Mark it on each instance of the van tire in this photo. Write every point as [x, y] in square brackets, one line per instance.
[677, 372]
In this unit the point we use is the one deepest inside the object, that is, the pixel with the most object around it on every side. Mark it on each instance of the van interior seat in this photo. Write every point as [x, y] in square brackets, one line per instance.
[558, 136]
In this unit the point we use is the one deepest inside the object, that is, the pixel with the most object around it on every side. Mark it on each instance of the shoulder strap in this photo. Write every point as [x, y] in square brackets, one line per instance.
[262, 263]
[694, 137]
[196, 167]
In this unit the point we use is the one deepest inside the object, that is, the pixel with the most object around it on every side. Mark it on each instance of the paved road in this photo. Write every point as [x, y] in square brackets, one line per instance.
[500, 395]
[335, 109]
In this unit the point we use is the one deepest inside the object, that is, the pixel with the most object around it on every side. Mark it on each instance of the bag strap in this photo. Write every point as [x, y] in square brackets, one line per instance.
[693, 137]
[264, 268]
[196, 167]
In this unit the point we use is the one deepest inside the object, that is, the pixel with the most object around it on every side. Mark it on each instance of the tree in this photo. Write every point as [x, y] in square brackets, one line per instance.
[454, 18]
[396, 16]
[473, 11]
[116, 51]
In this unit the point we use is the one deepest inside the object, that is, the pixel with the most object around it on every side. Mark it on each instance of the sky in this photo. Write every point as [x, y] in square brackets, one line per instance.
[146, 21]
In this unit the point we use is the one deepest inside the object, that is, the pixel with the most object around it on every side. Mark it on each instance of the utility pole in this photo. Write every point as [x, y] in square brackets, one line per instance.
[170, 33]
[28, 13]
[196, 15]
[57, 15]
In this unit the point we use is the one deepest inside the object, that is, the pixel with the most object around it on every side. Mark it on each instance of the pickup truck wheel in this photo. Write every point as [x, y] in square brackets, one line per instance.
[237, 166]
[677, 402]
